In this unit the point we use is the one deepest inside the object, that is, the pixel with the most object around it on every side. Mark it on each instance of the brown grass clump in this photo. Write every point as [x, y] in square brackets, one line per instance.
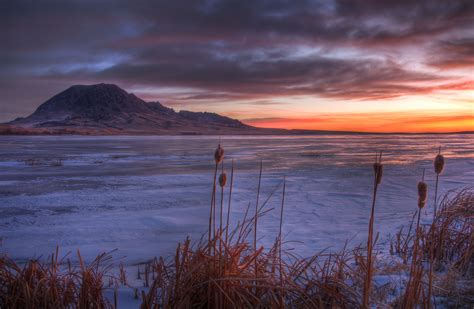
[402, 243]
[455, 289]
[57, 284]
[452, 232]
[448, 246]
[281, 282]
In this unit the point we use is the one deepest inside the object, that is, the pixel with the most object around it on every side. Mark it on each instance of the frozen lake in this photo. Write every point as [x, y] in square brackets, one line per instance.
[141, 195]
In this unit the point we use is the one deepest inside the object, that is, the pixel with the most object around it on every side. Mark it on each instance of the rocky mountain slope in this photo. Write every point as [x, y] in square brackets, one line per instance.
[108, 109]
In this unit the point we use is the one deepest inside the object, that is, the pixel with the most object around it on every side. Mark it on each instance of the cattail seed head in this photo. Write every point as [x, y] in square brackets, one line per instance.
[422, 194]
[439, 164]
[219, 154]
[222, 179]
[378, 170]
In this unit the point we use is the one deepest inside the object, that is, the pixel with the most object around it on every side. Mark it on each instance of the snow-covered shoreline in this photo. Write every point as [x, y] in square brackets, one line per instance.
[143, 195]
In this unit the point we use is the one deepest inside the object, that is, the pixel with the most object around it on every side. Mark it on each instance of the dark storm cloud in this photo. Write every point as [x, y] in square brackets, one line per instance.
[406, 19]
[266, 76]
[454, 54]
[230, 49]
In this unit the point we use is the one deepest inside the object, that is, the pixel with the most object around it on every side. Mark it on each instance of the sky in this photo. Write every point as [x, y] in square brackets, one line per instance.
[361, 65]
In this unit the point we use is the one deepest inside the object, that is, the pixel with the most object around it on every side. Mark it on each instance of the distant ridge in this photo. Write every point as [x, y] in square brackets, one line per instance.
[108, 109]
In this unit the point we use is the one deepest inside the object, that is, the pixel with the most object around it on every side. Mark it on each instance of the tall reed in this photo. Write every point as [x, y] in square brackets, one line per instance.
[218, 158]
[256, 216]
[378, 172]
[413, 290]
[280, 268]
[222, 183]
[230, 199]
[438, 168]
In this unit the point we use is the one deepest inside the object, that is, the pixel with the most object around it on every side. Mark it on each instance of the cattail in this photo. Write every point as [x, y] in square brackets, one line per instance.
[439, 164]
[438, 167]
[422, 194]
[218, 157]
[222, 179]
[413, 282]
[378, 170]
[219, 154]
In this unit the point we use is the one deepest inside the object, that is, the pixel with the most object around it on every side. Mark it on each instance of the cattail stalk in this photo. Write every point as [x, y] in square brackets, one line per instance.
[378, 171]
[438, 167]
[211, 214]
[218, 158]
[222, 182]
[256, 215]
[412, 285]
[430, 274]
[280, 244]
[436, 197]
[228, 206]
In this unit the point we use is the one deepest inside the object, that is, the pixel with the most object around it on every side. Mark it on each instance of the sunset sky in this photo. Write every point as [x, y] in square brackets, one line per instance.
[372, 65]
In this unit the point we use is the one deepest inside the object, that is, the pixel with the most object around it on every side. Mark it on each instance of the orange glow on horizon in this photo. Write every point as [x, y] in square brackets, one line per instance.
[373, 122]
[440, 112]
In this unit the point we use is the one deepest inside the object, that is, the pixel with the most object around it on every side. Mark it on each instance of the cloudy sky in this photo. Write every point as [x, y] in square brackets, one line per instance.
[365, 65]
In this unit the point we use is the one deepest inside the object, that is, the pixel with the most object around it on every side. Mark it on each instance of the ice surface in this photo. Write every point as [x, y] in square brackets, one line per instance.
[142, 195]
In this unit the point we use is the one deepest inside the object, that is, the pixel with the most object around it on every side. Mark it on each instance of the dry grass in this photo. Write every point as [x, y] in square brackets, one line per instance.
[452, 232]
[447, 247]
[195, 278]
[229, 271]
[56, 284]
[227, 268]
